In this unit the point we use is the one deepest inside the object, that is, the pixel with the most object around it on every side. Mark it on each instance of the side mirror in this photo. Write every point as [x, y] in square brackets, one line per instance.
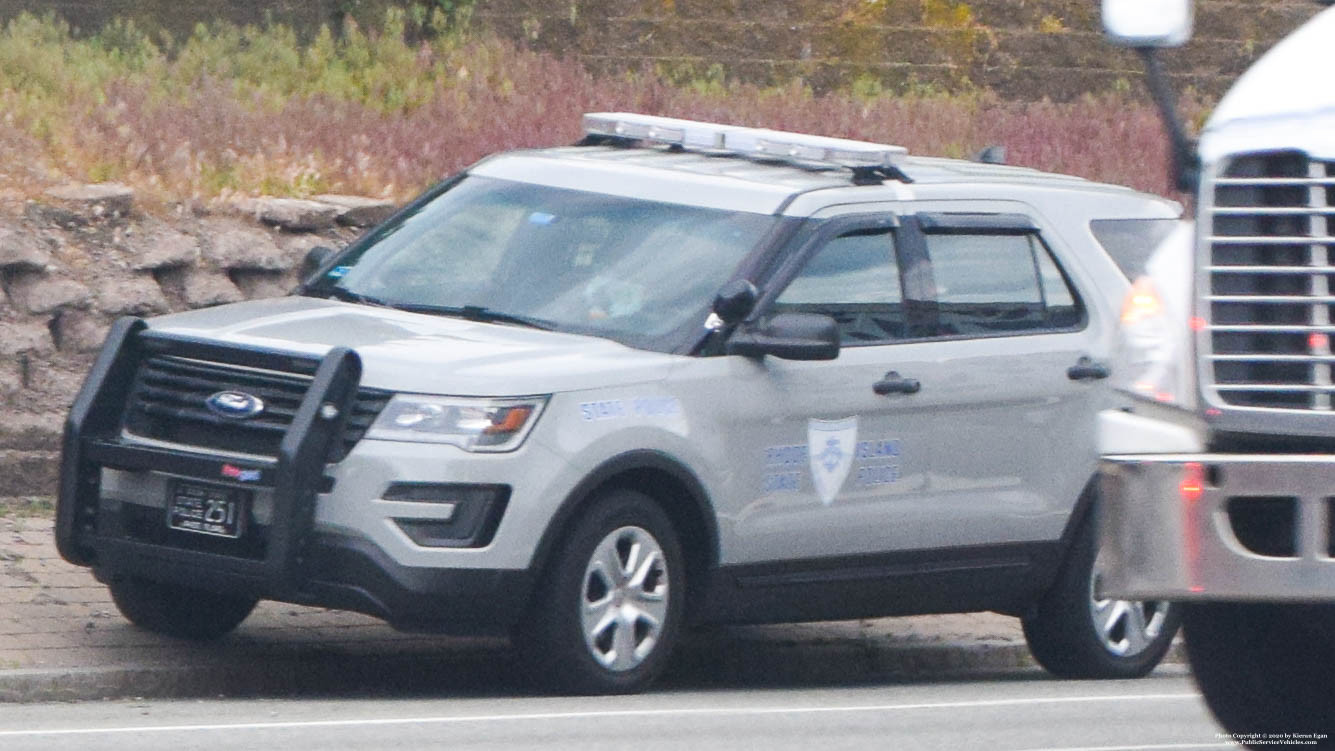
[736, 301]
[315, 258]
[1148, 23]
[788, 336]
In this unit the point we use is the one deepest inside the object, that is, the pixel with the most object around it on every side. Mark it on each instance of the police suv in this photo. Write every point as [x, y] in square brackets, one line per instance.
[679, 373]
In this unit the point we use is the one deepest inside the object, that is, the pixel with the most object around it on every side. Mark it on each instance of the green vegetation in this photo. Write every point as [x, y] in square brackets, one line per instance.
[382, 69]
[28, 506]
[1051, 24]
[387, 109]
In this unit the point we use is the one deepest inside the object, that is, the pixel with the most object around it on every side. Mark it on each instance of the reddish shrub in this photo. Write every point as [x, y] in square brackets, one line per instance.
[177, 123]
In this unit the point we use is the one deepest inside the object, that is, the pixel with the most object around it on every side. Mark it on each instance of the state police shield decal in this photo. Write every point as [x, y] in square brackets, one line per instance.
[830, 447]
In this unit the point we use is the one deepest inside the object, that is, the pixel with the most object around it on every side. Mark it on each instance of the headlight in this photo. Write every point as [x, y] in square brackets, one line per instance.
[1154, 355]
[470, 424]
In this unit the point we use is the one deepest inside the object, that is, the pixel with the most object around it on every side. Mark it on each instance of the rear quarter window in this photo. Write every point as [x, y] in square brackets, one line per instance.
[1131, 242]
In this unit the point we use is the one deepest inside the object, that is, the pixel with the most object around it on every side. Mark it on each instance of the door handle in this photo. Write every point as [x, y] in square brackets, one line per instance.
[893, 383]
[1088, 369]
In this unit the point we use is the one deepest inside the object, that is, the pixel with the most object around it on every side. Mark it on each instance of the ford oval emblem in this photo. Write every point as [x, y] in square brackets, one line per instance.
[237, 405]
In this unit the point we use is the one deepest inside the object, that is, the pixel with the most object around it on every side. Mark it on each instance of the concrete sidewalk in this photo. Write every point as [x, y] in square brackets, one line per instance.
[61, 638]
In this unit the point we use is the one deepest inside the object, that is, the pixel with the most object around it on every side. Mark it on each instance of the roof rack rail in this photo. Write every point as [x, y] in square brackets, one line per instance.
[994, 154]
[870, 162]
[878, 175]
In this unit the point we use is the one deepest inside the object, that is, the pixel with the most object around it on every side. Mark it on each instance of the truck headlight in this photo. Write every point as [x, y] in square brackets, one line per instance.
[1153, 352]
[471, 424]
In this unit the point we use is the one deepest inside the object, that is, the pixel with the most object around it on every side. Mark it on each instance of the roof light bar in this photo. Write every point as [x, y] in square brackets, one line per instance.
[667, 130]
[755, 142]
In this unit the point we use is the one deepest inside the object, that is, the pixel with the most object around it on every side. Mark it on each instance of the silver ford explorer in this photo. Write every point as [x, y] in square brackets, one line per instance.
[679, 373]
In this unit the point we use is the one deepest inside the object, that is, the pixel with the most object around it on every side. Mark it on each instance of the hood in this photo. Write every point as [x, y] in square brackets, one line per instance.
[1284, 89]
[413, 352]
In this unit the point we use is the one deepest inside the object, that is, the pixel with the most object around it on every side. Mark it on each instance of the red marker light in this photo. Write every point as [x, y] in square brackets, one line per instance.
[1318, 343]
[1192, 486]
[1197, 323]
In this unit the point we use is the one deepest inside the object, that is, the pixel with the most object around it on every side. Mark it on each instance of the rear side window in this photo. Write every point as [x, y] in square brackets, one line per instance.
[1130, 242]
[990, 284]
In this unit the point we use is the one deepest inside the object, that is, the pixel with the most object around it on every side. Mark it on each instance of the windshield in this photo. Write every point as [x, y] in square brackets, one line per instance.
[514, 252]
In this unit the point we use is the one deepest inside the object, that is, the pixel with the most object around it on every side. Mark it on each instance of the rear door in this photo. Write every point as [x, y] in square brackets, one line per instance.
[1014, 380]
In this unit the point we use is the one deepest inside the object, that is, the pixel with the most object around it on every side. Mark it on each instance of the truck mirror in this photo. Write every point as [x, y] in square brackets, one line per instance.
[1148, 23]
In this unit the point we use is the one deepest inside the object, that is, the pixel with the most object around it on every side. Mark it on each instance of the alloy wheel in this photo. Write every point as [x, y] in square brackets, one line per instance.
[624, 601]
[1125, 627]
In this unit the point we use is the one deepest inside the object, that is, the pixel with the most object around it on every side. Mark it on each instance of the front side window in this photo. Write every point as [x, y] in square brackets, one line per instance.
[855, 279]
[988, 284]
[561, 259]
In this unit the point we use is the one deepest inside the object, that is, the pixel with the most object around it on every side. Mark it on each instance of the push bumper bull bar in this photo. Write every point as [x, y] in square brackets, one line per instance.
[88, 536]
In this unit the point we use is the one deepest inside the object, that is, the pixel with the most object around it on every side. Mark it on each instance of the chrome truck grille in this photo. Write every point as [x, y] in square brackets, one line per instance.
[1270, 283]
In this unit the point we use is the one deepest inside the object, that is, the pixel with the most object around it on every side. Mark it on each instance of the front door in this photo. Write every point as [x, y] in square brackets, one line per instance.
[828, 459]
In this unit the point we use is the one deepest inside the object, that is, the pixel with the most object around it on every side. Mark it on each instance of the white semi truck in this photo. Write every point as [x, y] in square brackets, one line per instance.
[1218, 485]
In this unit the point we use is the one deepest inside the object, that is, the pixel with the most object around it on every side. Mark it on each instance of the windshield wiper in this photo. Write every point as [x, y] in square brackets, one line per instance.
[339, 293]
[475, 313]
[469, 312]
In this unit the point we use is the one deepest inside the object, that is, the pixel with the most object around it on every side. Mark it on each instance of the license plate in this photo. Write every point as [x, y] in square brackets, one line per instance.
[207, 509]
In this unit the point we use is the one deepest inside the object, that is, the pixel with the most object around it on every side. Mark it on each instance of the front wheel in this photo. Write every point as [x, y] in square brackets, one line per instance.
[178, 611]
[608, 611]
[1265, 669]
[1076, 633]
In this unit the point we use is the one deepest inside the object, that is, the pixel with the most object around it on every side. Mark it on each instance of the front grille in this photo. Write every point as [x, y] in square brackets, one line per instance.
[1271, 282]
[167, 403]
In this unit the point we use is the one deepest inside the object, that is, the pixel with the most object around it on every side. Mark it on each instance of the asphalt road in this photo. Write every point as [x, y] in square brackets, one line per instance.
[1007, 712]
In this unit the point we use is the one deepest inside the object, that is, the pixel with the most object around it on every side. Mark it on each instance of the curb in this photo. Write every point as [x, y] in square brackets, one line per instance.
[750, 661]
[852, 661]
[707, 660]
[328, 674]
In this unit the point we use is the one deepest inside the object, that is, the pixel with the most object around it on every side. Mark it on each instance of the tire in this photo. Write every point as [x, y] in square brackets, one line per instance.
[575, 639]
[178, 611]
[1265, 668]
[1073, 634]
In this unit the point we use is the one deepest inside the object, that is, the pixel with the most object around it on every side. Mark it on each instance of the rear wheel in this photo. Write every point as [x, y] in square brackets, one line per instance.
[607, 613]
[1074, 633]
[178, 611]
[1265, 668]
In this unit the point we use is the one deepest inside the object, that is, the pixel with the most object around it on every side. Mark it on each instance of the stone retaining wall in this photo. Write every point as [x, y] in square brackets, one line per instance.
[73, 262]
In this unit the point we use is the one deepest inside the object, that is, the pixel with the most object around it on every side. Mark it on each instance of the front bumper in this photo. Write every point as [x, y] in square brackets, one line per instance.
[344, 573]
[1202, 527]
[111, 507]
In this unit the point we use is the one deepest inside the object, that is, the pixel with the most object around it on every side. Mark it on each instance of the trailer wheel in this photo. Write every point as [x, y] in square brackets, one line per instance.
[1265, 668]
